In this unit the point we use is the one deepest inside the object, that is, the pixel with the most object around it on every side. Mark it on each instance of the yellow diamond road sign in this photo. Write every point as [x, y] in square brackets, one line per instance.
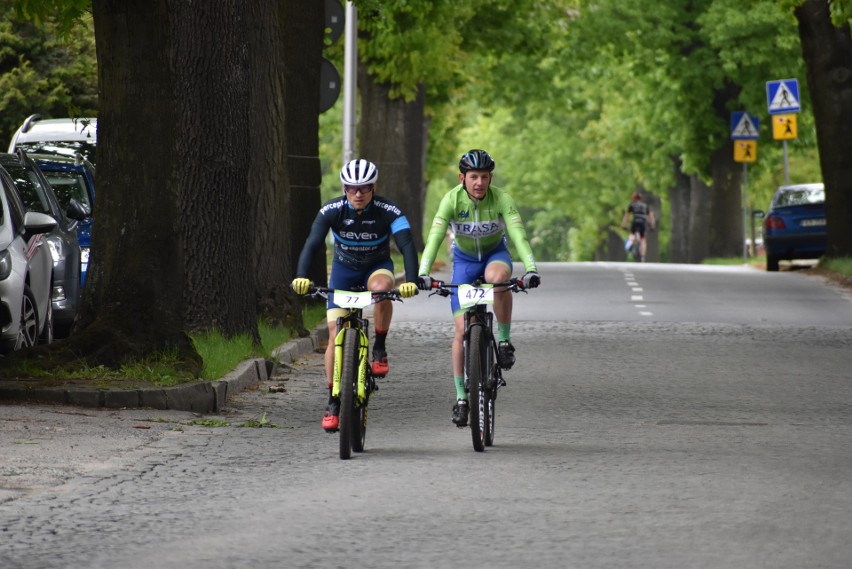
[745, 151]
[784, 127]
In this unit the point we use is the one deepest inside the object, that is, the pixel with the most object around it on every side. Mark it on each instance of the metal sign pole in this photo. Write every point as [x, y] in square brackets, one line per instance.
[745, 211]
[786, 166]
[350, 72]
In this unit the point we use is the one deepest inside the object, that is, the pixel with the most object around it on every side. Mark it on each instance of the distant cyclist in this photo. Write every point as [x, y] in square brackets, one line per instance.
[643, 218]
[361, 223]
[479, 216]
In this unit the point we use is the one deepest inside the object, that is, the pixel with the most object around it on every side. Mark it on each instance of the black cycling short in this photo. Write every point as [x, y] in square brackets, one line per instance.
[638, 227]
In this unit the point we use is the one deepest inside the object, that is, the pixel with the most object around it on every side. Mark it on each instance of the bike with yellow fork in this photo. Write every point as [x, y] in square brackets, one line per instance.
[353, 380]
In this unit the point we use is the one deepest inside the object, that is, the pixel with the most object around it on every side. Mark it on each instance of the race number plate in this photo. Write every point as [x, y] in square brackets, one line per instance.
[349, 299]
[470, 295]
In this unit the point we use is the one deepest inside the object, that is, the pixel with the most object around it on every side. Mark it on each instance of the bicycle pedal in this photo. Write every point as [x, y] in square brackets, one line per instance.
[331, 431]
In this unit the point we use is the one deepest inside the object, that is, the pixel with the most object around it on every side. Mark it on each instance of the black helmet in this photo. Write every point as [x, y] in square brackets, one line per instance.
[476, 160]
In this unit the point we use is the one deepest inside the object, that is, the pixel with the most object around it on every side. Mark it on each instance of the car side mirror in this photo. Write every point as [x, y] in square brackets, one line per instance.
[77, 211]
[35, 223]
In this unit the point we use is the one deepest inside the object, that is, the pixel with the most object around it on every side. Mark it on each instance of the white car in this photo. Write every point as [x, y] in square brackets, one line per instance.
[66, 136]
[26, 272]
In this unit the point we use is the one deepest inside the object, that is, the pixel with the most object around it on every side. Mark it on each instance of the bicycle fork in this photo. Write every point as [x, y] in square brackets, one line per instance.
[363, 346]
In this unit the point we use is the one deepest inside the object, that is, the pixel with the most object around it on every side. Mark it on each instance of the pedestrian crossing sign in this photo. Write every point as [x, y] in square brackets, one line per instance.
[783, 96]
[745, 151]
[744, 126]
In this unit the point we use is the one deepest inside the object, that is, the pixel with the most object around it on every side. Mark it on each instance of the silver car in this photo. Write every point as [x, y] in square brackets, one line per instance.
[26, 272]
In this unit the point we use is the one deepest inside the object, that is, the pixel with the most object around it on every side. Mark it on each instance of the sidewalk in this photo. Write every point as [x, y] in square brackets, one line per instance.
[200, 397]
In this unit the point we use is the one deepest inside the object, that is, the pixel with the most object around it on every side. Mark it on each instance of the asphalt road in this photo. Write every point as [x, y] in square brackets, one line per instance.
[702, 421]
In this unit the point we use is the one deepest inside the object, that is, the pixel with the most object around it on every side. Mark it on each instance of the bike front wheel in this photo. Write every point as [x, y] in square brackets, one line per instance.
[359, 425]
[478, 393]
[348, 385]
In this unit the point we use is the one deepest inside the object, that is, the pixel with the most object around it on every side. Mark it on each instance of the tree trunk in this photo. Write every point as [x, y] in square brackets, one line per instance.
[726, 217]
[827, 51]
[652, 238]
[302, 45]
[699, 219]
[210, 63]
[393, 134]
[133, 301]
[679, 215]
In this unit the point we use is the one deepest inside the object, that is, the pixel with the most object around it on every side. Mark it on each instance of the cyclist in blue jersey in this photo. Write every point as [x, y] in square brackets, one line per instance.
[362, 224]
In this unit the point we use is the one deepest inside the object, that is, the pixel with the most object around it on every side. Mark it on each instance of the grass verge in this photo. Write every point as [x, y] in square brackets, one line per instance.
[219, 355]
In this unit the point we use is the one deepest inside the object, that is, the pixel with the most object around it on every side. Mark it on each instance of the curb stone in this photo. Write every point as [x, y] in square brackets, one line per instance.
[200, 397]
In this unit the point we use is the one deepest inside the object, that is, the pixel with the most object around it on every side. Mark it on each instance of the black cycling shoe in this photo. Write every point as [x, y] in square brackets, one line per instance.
[460, 411]
[505, 355]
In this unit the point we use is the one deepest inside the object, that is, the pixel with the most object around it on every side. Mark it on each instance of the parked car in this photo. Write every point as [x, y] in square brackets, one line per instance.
[73, 179]
[794, 227]
[38, 196]
[67, 136]
[26, 272]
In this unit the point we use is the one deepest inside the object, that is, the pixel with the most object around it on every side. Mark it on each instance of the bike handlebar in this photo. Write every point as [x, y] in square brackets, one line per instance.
[443, 288]
[378, 296]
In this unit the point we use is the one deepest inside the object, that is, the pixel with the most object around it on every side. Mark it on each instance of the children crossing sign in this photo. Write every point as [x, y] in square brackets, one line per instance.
[744, 126]
[783, 96]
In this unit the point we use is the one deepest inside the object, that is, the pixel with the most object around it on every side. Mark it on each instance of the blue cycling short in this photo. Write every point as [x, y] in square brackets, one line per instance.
[347, 278]
[467, 268]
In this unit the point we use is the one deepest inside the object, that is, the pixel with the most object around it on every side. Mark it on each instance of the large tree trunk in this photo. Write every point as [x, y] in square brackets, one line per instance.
[726, 218]
[827, 51]
[276, 32]
[302, 45]
[679, 217]
[133, 301]
[393, 134]
[699, 219]
[209, 59]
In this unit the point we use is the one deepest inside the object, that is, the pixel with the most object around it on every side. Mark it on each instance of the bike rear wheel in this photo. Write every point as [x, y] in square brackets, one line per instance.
[478, 394]
[348, 385]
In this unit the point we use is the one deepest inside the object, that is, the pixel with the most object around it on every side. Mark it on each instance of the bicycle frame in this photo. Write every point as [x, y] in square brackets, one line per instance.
[353, 320]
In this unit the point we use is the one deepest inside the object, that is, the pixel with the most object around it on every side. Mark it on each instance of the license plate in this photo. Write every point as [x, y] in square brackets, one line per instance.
[813, 222]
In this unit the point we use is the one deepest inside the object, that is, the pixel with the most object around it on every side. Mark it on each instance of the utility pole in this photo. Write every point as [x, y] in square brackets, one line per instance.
[350, 83]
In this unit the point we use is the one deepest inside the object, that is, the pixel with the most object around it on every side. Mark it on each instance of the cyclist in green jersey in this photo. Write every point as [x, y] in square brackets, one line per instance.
[480, 216]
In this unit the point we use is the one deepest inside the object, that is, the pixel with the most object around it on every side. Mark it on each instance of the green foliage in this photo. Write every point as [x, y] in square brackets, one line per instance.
[48, 68]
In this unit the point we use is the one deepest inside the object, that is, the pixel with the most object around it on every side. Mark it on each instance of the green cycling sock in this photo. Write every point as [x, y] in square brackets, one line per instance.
[504, 331]
[460, 392]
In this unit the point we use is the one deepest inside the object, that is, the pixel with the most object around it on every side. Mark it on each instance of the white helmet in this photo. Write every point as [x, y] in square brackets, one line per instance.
[359, 173]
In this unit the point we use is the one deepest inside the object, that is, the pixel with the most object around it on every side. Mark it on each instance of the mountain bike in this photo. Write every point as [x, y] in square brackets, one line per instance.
[635, 247]
[483, 376]
[353, 378]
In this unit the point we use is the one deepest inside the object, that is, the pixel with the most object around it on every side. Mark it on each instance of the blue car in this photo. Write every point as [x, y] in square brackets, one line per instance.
[73, 178]
[794, 226]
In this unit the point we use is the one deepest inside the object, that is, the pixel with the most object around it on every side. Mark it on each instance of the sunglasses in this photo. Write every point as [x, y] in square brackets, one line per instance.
[356, 189]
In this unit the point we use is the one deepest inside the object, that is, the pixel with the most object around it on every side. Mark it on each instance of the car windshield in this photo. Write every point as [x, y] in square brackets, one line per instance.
[32, 192]
[68, 186]
[800, 196]
[62, 148]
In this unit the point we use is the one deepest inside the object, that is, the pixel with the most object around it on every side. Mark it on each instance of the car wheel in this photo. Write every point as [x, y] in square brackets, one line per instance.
[28, 333]
[771, 263]
[46, 336]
